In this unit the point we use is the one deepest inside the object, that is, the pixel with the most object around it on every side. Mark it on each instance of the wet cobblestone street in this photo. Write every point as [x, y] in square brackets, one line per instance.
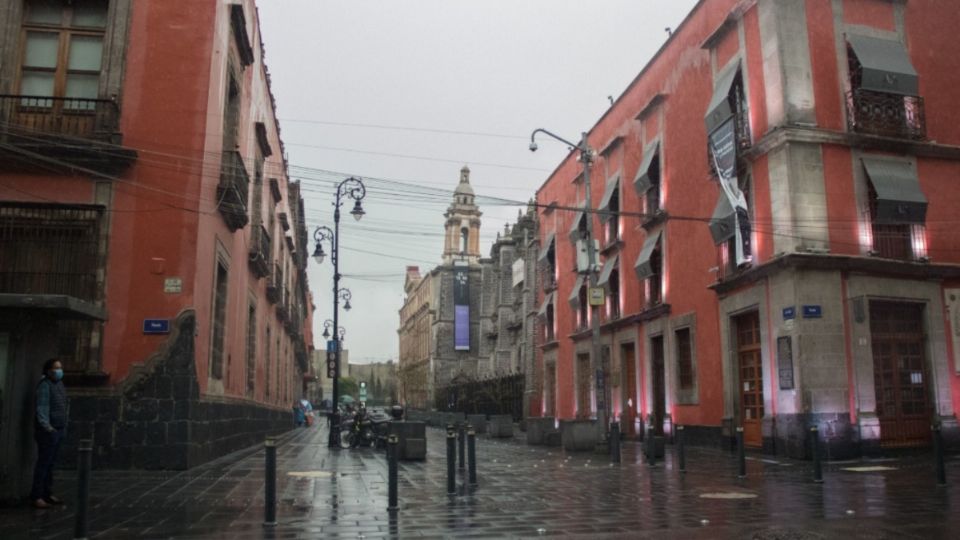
[523, 492]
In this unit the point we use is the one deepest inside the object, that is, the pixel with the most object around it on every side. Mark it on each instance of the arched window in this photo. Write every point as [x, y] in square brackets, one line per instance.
[464, 237]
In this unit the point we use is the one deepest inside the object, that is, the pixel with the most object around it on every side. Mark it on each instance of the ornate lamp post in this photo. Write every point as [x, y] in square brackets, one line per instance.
[353, 188]
[586, 158]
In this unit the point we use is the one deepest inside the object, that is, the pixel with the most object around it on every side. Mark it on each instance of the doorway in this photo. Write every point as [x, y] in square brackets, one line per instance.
[583, 386]
[629, 362]
[659, 385]
[899, 374]
[750, 370]
[550, 391]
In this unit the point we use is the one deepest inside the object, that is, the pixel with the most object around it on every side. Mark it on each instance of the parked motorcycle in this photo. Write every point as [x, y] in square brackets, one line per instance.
[358, 431]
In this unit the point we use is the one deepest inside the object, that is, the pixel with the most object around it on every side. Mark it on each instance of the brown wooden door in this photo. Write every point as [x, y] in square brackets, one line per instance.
[659, 387]
[899, 373]
[751, 378]
[629, 417]
[583, 386]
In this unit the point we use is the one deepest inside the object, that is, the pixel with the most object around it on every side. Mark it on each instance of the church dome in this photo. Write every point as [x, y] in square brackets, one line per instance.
[464, 187]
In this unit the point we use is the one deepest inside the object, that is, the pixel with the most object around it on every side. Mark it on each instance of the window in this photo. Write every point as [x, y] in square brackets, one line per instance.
[550, 334]
[883, 97]
[219, 321]
[684, 359]
[613, 298]
[231, 111]
[655, 281]
[897, 209]
[647, 181]
[251, 348]
[649, 267]
[547, 263]
[464, 239]
[583, 307]
[62, 52]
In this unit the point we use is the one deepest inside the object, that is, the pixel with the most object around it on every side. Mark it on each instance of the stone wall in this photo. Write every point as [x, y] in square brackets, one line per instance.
[156, 418]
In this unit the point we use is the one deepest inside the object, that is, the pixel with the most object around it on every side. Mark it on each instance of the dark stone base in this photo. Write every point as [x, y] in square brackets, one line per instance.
[156, 418]
[839, 439]
[702, 435]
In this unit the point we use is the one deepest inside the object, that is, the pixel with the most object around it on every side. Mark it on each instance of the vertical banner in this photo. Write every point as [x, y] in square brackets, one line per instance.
[461, 309]
[724, 149]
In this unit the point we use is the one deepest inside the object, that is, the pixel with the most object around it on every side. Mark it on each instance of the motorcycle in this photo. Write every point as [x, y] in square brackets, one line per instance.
[358, 431]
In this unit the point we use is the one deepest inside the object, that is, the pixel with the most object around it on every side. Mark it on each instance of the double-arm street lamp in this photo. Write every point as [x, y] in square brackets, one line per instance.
[586, 158]
[353, 188]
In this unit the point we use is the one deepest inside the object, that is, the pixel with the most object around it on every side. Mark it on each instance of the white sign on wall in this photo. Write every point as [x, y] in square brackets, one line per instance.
[518, 268]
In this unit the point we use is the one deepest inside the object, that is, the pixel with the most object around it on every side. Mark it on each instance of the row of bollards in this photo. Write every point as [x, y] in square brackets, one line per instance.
[467, 437]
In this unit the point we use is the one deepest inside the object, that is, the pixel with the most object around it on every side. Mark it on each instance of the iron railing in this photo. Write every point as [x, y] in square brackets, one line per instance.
[887, 115]
[892, 241]
[50, 249]
[499, 395]
[233, 191]
[89, 118]
[275, 286]
[260, 250]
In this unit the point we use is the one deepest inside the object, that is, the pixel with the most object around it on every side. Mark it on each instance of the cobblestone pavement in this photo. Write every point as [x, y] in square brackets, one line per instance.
[523, 492]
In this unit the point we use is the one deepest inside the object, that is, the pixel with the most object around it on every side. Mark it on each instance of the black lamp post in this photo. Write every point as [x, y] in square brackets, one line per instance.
[354, 188]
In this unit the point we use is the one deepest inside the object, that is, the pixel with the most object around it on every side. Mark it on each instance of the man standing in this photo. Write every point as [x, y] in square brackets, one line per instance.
[50, 427]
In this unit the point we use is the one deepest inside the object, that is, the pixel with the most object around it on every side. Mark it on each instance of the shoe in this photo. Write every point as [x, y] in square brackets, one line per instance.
[53, 499]
[41, 504]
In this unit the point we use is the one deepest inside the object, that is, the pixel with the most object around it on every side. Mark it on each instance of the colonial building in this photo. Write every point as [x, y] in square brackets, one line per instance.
[150, 236]
[469, 318]
[774, 198]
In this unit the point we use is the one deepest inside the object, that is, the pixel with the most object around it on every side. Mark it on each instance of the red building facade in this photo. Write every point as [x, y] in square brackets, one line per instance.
[150, 235]
[773, 205]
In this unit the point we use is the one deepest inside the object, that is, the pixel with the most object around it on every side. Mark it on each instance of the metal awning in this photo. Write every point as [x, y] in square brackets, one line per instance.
[547, 246]
[643, 267]
[59, 306]
[899, 197]
[613, 184]
[574, 298]
[608, 268]
[642, 182]
[547, 300]
[719, 109]
[723, 224]
[886, 66]
[575, 227]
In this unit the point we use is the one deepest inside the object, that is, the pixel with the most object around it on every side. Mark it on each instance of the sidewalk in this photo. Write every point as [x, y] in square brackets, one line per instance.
[523, 492]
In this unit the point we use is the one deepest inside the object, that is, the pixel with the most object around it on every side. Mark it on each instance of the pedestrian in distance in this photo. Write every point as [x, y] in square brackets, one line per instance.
[50, 428]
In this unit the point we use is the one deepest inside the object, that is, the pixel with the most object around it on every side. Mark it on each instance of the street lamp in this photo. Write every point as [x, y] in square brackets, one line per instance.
[586, 158]
[326, 328]
[353, 188]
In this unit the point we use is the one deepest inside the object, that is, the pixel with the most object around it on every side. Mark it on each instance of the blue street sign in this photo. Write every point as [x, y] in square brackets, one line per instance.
[812, 312]
[331, 345]
[789, 313]
[156, 326]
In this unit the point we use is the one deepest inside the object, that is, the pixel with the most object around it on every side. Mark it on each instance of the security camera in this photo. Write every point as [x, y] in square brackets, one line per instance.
[533, 146]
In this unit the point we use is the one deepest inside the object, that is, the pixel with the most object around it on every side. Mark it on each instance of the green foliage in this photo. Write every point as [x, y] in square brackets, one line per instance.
[349, 387]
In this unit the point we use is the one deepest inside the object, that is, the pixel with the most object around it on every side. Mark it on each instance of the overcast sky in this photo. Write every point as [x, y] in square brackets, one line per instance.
[411, 90]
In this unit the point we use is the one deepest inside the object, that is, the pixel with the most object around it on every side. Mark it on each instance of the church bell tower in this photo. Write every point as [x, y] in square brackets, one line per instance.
[462, 239]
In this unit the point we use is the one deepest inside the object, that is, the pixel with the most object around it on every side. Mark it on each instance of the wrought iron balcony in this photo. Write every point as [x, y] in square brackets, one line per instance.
[283, 309]
[233, 191]
[260, 251]
[275, 287]
[887, 115]
[61, 134]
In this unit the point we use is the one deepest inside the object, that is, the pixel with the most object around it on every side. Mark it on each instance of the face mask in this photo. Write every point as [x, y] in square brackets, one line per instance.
[58, 374]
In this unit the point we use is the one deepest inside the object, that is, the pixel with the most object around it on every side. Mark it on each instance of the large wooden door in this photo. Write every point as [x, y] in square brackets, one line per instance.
[628, 361]
[750, 371]
[583, 386]
[659, 386]
[899, 373]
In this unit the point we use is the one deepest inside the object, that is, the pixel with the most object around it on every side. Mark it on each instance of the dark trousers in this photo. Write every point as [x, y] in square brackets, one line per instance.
[47, 446]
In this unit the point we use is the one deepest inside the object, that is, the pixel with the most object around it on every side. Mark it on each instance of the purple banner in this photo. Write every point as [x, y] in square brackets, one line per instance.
[461, 328]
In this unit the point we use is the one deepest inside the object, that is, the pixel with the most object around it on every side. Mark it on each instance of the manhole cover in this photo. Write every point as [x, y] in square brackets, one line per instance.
[869, 468]
[310, 474]
[728, 495]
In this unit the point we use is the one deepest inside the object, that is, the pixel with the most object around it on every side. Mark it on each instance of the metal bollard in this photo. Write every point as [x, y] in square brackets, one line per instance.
[83, 488]
[741, 454]
[681, 450]
[472, 456]
[451, 462]
[392, 450]
[938, 455]
[461, 442]
[270, 484]
[815, 453]
[615, 442]
[651, 446]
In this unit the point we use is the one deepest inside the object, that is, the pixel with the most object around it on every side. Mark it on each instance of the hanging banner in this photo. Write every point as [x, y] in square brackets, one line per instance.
[461, 309]
[723, 147]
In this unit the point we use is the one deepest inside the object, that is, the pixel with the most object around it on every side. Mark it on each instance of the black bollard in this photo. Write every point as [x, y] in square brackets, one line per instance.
[681, 450]
[815, 453]
[451, 462]
[615, 442]
[85, 454]
[462, 445]
[651, 446]
[938, 455]
[270, 484]
[741, 454]
[392, 448]
[472, 455]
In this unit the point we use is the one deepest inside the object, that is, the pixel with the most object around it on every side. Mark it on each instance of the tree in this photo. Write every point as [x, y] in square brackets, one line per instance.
[349, 387]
